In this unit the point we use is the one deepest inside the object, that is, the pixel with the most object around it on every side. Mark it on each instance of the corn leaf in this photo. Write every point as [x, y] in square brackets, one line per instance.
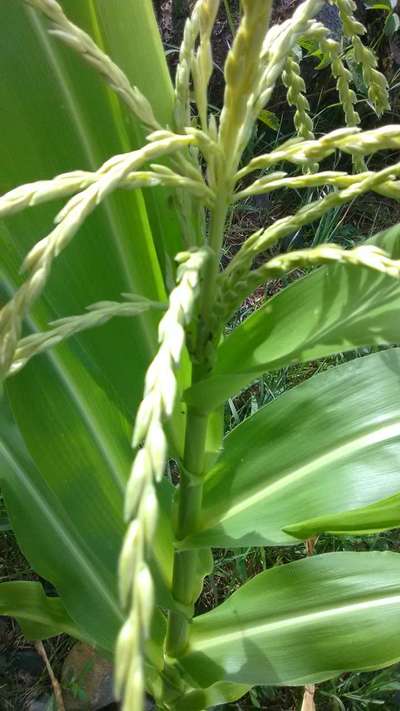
[343, 616]
[38, 615]
[343, 454]
[67, 516]
[65, 478]
[381, 516]
[334, 309]
[60, 116]
[220, 693]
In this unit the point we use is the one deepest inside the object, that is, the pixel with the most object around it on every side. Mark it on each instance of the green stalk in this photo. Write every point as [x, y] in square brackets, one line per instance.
[189, 507]
[190, 492]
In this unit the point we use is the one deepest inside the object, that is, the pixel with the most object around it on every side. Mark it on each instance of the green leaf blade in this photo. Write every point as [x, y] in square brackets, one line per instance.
[38, 615]
[334, 309]
[344, 616]
[67, 481]
[74, 505]
[381, 516]
[343, 454]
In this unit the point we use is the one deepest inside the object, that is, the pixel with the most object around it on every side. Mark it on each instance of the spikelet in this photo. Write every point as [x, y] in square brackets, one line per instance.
[66, 184]
[202, 61]
[141, 506]
[44, 191]
[295, 85]
[332, 50]
[314, 210]
[195, 63]
[347, 140]
[351, 26]
[242, 77]
[336, 178]
[183, 70]
[40, 259]
[237, 281]
[347, 96]
[375, 81]
[96, 315]
[82, 43]
[278, 44]
[296, 88]
[378, 90]
[279, 180]
[364, 256]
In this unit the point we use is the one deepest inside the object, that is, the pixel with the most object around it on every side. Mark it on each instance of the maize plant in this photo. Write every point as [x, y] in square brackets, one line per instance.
[147, 178]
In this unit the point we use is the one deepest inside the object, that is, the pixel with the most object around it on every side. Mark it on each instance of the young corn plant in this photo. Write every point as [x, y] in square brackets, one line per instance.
[321, 458]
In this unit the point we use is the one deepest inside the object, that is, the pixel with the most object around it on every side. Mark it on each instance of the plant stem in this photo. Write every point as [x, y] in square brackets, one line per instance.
[185, 574]
[191, 482]
[218, 219]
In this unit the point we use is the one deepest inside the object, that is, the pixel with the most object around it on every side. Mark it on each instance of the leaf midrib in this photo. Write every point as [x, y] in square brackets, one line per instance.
[84, 135]
[249, 631]
[82, 404]
[328, 458]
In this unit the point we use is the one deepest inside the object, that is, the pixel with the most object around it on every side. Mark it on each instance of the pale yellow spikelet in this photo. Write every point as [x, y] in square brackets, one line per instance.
[111, 175]
[141, 504]
[237, 281]
[82, 43]
[364, 256]
[66, 184]
[195, 63]
[183, 70]
[308, 213]
[129, 632]
[296, 96]
[64, 328]
[351, 26]
[129, 555]
[242, 77]
[43, 191]
[202, 60]
[348, 140]
[140, 474]
[375, 81]
[279, 180]
[278, 44]
[339, 179]
[378, 89]
[333, 50]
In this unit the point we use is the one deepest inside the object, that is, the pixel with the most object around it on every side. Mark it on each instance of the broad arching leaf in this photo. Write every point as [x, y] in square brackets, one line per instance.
[64, 480]
[67, 512]
[327, 446]
[302, 622]
[333, 309]
[381, 516]
[38, 615]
